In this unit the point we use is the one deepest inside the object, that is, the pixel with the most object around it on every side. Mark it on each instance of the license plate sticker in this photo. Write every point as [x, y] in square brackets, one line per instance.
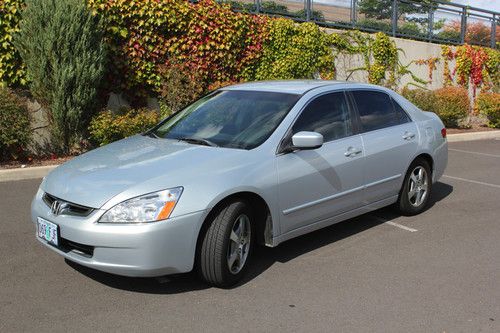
[48, 231]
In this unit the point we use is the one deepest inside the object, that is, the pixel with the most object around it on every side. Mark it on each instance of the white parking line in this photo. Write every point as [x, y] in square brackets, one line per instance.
[394, 224]
[473, 152]
[472, 181]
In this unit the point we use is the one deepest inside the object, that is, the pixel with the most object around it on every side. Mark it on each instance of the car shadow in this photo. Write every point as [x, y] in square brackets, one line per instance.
[263, 257]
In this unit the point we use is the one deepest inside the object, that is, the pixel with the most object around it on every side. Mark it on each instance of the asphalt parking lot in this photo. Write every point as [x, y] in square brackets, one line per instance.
[436, 272]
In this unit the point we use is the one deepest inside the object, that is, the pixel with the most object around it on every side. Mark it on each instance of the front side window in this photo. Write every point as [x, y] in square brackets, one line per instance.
[328, 115]
[375, 109]
[229, 118]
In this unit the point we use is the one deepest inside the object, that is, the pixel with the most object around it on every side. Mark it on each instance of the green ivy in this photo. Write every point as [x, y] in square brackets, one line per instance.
[295, 51]
[380, 57]
[12, 69]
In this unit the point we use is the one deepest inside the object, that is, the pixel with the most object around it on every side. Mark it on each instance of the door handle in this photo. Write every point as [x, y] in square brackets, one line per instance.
[351, 152]
[408, 135]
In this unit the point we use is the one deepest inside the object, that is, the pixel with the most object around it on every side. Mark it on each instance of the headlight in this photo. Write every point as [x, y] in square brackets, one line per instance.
[146, 208]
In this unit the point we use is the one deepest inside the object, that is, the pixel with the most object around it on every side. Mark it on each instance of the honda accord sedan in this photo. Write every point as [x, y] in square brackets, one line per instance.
[249, 164]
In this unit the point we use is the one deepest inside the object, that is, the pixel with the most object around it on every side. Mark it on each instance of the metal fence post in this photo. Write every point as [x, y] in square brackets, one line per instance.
[354, 14]
[257, 6]
[308, 10]
[431, 23]
[394, 17]
[493, 32]
[463, 27]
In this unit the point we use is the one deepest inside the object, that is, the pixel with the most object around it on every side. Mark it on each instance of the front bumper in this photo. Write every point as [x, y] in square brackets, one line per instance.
[146, 250]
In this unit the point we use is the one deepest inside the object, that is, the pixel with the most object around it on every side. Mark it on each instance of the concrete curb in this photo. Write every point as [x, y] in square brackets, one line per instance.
[473, 136]
[40, 172]
[25, 173]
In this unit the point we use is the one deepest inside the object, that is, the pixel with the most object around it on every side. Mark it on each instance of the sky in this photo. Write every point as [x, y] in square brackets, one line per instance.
[484, 4]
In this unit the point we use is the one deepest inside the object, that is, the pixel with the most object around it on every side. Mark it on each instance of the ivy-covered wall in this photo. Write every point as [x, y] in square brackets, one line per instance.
[216, 46]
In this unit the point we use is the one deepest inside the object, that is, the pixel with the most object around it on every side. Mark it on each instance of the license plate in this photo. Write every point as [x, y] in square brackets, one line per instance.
[47, 231]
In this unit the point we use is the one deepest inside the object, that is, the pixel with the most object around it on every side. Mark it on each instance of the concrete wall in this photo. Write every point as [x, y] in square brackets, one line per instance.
[411, 50]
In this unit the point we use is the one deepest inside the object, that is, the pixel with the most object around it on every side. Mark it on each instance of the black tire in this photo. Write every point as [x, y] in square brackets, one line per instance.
[411, 205]
[216, 246]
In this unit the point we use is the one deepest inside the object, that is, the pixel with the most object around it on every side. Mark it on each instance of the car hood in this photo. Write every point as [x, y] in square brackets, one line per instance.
[97, 176]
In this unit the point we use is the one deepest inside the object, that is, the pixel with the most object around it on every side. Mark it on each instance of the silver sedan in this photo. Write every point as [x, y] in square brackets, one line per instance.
[255, 163]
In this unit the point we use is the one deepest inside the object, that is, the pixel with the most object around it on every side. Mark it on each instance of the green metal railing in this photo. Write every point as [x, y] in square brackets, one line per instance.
[432, 21]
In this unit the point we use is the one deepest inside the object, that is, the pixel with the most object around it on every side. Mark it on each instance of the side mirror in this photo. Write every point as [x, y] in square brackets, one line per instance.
[307, 140]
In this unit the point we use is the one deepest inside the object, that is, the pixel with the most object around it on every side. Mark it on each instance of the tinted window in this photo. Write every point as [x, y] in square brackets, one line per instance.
[233, 118]
[328, 115]
[402, 115]
[375, 110]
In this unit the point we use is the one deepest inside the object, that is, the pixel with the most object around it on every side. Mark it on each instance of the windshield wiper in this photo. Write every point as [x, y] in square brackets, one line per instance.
[151, 135]
[198, 141]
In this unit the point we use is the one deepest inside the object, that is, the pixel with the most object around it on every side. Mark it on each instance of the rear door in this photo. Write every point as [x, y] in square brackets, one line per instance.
[320, 183]
[390, 142]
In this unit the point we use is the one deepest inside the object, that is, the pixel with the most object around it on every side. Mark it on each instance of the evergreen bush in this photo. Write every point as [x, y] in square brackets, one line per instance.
[61, 43]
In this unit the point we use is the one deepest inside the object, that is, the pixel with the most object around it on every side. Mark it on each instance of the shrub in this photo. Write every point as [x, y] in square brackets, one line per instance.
[12, 70]
[316, 15]
[476, 33]
[488, 104]
[245, 7]
[61, 43]
[15, 130]
[423, 99]
[273, 7]
[452, 105]
[410, 29]
[374, 24]
[107, 127]
[449, 35]
[179, 88]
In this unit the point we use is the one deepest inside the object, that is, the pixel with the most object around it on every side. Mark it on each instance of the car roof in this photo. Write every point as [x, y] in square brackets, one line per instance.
[290, 86]
[301, 87]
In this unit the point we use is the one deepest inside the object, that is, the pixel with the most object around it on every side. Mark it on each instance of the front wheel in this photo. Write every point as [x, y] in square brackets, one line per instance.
[227, 245]
[416, 189]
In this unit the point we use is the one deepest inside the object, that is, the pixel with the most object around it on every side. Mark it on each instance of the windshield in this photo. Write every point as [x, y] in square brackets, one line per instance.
[229, 118]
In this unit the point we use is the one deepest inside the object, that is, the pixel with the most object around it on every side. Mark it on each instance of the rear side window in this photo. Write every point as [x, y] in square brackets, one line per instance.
[375, 109]
[328, 115]
[402, 115]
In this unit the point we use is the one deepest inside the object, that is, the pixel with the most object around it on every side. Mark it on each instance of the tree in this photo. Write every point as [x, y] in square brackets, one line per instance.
[62, 45]
[382, 9]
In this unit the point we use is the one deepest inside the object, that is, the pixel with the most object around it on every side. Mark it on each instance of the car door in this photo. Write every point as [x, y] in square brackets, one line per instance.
[389, 140]
[320, 183]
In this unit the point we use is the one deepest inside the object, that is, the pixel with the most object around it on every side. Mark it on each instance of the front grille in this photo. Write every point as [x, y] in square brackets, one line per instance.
[67, 208]
[82, 249]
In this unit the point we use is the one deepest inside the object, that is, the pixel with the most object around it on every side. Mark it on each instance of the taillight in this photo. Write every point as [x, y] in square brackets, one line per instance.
[443, 133]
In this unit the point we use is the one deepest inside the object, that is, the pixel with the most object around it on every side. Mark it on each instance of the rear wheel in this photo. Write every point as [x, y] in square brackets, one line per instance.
[227, 245]
[416, 189]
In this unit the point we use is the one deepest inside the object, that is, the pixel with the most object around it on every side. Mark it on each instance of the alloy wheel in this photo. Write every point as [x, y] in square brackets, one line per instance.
[418, 187]
[239, 244]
